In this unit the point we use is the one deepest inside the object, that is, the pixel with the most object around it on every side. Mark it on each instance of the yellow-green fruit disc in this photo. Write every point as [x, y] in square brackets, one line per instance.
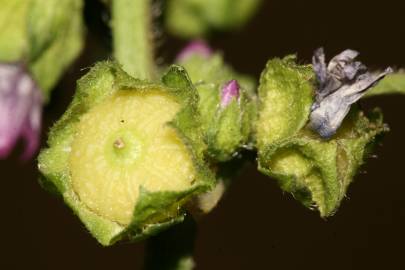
[125, 143]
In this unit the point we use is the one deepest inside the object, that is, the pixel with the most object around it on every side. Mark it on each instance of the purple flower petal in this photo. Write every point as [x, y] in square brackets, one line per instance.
[20, 109]
[196, 47]
[229, 91]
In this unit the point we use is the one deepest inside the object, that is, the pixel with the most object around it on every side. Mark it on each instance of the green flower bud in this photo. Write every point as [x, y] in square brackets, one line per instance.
[46, 35]
[56, 38]
[13, 29]
[227, 104]
[227, 108]
[127, 154]
[315, 170]
[195, 18]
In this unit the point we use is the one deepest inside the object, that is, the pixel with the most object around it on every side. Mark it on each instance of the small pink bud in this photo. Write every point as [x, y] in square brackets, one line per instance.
[229, 91]
[196, 47]
[20, 110]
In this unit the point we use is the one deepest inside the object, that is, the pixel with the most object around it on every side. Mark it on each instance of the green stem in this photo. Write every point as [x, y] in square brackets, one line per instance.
[392, 84]
[172, 249]
[132, 37]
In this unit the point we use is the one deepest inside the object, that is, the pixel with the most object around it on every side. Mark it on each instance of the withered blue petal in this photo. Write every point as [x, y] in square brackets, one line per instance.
[341, 84]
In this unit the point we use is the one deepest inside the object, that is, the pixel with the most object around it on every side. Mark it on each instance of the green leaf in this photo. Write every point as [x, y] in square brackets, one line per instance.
[391, 84]
[194, 18]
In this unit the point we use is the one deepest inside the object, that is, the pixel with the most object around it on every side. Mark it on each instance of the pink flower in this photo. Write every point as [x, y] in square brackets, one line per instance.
[20, 110]
[229, 91]
[198, 47]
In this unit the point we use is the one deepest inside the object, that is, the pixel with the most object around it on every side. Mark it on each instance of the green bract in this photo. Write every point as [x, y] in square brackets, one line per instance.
[316, 171]
[193, 18]
[226, 129]
[45, 35]
[127, 154]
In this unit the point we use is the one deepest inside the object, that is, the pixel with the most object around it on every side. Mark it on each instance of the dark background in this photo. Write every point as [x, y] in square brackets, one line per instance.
[256, 226]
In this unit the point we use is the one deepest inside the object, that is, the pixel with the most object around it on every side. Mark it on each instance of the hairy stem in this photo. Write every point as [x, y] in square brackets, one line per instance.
[132, 37]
